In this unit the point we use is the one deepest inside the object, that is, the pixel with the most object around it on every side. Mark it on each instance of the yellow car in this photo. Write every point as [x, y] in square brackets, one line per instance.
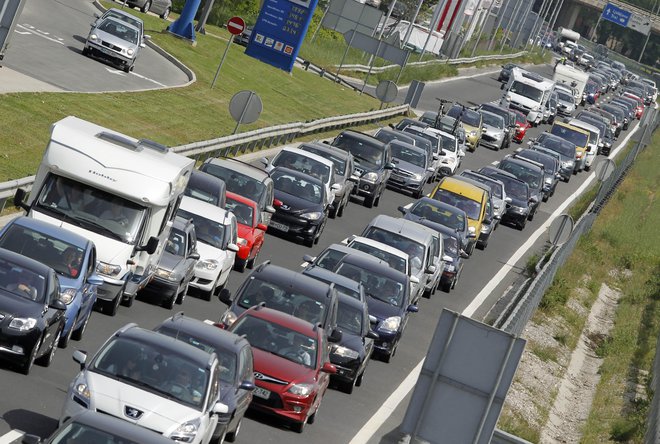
[472, 123]
[469, 198]
[578, 136]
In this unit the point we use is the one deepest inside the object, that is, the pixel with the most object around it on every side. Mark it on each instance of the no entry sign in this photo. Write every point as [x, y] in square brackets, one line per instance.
[236, 25]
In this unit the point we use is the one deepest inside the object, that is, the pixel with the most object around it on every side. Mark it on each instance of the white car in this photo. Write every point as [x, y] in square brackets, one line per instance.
[453, 154]
[308, 163]
[148, 379]
[217, 244]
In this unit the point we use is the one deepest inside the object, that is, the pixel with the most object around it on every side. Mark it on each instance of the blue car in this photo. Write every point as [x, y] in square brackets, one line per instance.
[73, 258]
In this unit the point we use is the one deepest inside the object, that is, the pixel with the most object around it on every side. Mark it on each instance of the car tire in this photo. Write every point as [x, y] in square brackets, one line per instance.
[377, 200]
[209, 294]
[446, 287]
[251, 262]
[145, 8]
[298, 427]
[231, 436]
[85, 51]
[369, 201]
[64, 339]
[240, 264]
[418, 194]
[521, 225]
[168, 303]
[312, 417]
[165, 14]
[26, 366]
[182, 295]
[360, 378]
[340, 211]
[80, 331]
[110, 307]
[46, 359]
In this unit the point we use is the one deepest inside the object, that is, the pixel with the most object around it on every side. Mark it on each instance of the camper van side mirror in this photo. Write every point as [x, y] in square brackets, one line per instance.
[19, 199]
[151, 245]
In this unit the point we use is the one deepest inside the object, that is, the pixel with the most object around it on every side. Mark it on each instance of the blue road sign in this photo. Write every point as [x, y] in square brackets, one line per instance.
[615, 14]
[279, 31]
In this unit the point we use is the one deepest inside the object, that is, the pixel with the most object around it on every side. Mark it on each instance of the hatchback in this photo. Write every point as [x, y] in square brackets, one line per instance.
[517, 211]
[533, 175]
[162, 8]
[550, 169]
[251, 231]
[566, 150]
[114, 40]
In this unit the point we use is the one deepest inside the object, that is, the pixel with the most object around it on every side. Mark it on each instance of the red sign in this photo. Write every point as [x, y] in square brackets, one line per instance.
[236, 25]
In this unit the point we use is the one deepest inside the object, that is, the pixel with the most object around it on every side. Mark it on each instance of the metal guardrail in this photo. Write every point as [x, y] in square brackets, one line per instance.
[249, 141]
[379, 69]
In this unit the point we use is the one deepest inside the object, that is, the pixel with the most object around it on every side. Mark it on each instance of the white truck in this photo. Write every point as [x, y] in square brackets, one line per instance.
[118, 191]
[527, 92]
[572, 78]
[564, 36]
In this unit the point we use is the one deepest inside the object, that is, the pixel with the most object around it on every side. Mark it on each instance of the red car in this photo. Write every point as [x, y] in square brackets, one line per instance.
[639, 109]
[291, 367]
[521, 126]
[251, 231]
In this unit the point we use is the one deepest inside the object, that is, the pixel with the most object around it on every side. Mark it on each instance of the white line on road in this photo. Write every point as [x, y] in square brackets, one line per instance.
[11, 436]
[383, 413]
[31, 30]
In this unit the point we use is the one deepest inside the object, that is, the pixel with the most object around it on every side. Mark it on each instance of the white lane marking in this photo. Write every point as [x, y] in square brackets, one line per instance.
[148, 79]
[115, 71]
[385, 411]
[32, 30]
[22, 33]
[11, 436]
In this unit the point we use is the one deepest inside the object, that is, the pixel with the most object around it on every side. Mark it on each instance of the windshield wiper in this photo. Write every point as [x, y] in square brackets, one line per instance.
[96, 225]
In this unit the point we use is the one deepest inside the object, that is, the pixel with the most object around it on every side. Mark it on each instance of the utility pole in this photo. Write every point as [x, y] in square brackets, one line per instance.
[481, 28]
[499, 23]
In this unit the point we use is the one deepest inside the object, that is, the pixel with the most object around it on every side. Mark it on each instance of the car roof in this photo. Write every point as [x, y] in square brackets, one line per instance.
[582, 124]
[51, 230]
[299, 174]
[483, 177]
[326, 275]
[544, 150]
[366, 262]
[404, 227]
[351, 301]
[491, 113]
[205, 209]
[293, 280]
[240, 167]
[181, 223]
[522, 162]
[533, 154]
[279, 317]
[123, 14]
[379, 245]
[200, 329]
[24, 262]
[497, 171]
[326, 148]
[438, 204]
[202, 178]
[360, 136]
[126, 430]
[309, 155]
[476, 183]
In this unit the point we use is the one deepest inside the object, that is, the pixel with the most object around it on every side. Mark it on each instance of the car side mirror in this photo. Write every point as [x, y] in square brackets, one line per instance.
[414, 279]
[232, 247]
[502, 85]
[373, 319]
[220, 408]
[247, 385]
[19, 199]
[533, 200]
[389, 166]
[488, 221]
[335, 335]
[271, 208]
[436, 157]
[57, 304]
[80, 357]
[402, 209]
[447, 259]
[329, 368]
[430, 170]
[194, 256]
[430, 269]
[507, 199]
[150, 247]
[354, 178]
[31, 439]
[264, 161]
[412, 308]
[146, 37]
[464, 254]
[308, 258]
[142, 45]
[471, 235]
[95, 279]
[262, 227]
[225, 296]
[484, 129]
[372, 335]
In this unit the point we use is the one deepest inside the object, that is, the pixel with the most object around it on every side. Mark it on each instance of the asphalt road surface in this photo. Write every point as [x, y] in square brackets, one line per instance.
[47, 45]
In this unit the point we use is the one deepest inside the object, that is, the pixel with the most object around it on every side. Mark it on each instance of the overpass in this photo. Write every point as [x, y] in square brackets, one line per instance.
[570, 15]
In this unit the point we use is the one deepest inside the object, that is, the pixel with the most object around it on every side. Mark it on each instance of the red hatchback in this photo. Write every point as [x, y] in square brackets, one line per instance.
[521, 126]
[291, 363]
[251, 230]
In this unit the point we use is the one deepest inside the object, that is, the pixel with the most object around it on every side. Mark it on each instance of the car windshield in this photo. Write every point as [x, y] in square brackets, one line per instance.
[236, 182]
[120, 30]
[227, 358]
[176, 243]
[493, 120]
[340, 163]
[298, 186]
[84, 433]
[208, 231]
[469, 117]
[533, 178]
[388, 136]
[244, 213]
[414, 249]
[455, 220]
[350, 319]
[278, 340]
[92, 209]
[547, 162]
[283, 298]
[521, 119]
[515, 188]
[366, 154]
[565, 97]
[525, 90]
[495, 188]
[201, 193]
[448, 143]
[65, 258]
[408, 153]
[128, 18]
[376, 286]
[471, 207]
[303, 164]
[22, 282]
[577, 138]
[450, 244]
[397, 262]
[430, 137]
[154, 369]
[558, 145]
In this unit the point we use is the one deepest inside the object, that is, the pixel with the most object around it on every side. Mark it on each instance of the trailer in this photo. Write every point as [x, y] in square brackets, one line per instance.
[10, 11]
[566, 40]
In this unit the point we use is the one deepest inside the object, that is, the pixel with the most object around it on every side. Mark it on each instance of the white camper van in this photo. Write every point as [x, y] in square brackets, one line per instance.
[573, 78]
[527, 92]
[567, 39]
[120, 192]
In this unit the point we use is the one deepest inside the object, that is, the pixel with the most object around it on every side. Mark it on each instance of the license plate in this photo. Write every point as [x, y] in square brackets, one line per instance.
[262, 393]
[279, 226]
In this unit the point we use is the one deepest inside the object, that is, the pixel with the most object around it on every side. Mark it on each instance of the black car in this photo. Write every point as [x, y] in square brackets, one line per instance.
[207, 188]
[452, 248]
[302, 211]
[566, 150]
[94, 427]
[343, 285]
[550, 170]
[532, 175]
[413, 168]
[619, 112]
[508, 116]
[373, 162]
[32, 316]
[176, 266]
[506, 72]
[236, 367]
[604, 128]
[517, 211]
[286, 291]
[388, 293]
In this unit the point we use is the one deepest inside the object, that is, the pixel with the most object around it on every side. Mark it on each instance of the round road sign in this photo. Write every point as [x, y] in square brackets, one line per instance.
[386, 91]
[604, 168]
[236, 25]
[560, 229]
[245, 107]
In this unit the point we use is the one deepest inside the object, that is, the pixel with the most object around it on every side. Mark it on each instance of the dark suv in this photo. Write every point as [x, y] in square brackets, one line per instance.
[373, 162]
[532, 175]
[518, 210]
[286, 291]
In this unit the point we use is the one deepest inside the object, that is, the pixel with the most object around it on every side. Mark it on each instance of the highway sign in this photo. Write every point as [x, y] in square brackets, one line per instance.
[235, 25]
[640, 23]
[615, 14]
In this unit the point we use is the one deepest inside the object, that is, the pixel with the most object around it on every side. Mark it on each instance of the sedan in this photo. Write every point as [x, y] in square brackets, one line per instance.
[251, 231]
[291, 369]
[518, 210]
[114, 40]
[162, 8]
[413, 168]
[32, 317]
[494, 135]
[73, 258]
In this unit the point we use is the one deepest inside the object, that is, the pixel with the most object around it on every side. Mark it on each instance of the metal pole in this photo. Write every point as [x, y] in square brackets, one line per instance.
[412, 22]
[554, 19]
[648, 36]
[247, 105]
[350, 42]
[499, 23]
[387, 17]
[470, 26]
[593, 33]
[224, 55]
[320, 23]
[534, 33]
[510, 25]
[522, 25]
[481, 28]
[405, 62]
[432, 25]
[373, 59]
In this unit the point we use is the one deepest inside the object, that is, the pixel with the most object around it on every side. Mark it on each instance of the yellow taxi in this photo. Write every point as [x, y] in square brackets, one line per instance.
[578, 136]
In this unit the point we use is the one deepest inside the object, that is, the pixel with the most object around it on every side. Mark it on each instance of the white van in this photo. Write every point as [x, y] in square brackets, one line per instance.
[594, 141]
[120, 192]
[527, 92]
[572, 78]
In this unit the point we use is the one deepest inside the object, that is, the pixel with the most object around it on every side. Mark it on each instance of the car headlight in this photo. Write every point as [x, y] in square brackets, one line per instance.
[344, 352]
[241, 242]
[370, 177]
[207, 264]
[417, 176]
[391, 324]
[93, 37]
[108, 269]
[67, 295]
[519, 210]
[312, 215]
[548, 181]
[166, 274]
[23, 324]
[130, 51]
[228, 318]
[81, 389]
[568, 164]
[186, 432]
[473, 133]
[301, 389]
[471, 230]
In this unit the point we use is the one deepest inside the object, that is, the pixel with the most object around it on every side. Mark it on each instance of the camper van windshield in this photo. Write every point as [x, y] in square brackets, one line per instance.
[576, 137]
[526, 90]
[91, 208]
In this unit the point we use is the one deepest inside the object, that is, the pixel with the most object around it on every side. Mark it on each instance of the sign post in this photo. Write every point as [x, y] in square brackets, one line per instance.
[235, 26]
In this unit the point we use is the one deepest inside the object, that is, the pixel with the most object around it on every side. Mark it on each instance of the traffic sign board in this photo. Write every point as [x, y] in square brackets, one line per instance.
[615, 14]
[235, 25]
[640, 23]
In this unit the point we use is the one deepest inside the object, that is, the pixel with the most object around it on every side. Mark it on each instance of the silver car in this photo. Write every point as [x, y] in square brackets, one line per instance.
[162, 8]
[114, 40]
[495, 132]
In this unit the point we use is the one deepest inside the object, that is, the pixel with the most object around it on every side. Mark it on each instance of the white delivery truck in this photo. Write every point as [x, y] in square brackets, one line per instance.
[565, 35]
[573, 78]
[118, 191]
[527, 92]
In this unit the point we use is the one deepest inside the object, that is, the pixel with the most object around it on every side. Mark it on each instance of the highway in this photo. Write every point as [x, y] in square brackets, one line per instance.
[33, 403]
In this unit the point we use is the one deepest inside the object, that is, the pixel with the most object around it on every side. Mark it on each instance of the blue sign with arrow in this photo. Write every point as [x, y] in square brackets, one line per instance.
[616, 15]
